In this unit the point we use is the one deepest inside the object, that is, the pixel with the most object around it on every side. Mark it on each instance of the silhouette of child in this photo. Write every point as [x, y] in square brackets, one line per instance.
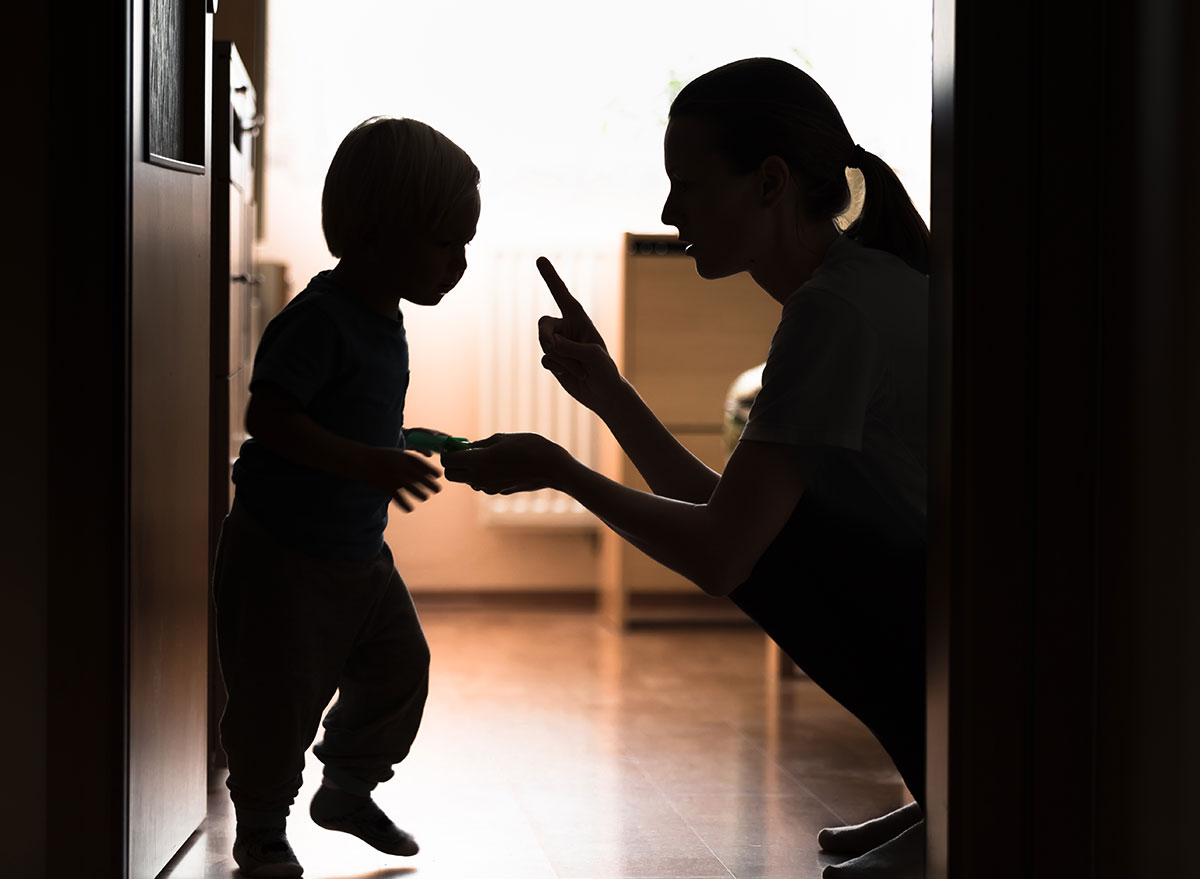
[816, 527]
[308, 599]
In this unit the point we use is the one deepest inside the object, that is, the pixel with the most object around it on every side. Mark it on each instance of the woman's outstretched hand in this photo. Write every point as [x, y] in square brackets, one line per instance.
[573, 349]
[507, 463]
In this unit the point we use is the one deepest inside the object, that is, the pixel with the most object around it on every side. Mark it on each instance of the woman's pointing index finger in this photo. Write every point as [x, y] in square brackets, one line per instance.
[567, 303]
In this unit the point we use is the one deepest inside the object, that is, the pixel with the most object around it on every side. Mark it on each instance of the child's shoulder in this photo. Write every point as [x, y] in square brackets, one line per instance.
[325, 313]
[318, 293]
[310, 318]
[320, 302]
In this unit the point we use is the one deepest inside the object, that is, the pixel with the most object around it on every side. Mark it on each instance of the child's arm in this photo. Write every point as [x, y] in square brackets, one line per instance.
[577, 356]
[276, 420]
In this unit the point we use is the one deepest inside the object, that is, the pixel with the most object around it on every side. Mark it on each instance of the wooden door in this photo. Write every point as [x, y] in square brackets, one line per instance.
[169, 388]
[1064, 549]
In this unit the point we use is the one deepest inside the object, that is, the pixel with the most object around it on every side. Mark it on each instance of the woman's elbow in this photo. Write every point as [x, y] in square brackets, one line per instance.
[716, 588]
[723, 575]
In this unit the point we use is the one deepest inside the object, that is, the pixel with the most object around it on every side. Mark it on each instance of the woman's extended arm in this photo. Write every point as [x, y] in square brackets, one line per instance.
[577, 356]
[667, 466]
[715, 544]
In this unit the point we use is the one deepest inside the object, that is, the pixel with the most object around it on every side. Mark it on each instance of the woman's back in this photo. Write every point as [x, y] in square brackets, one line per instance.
[847, 369]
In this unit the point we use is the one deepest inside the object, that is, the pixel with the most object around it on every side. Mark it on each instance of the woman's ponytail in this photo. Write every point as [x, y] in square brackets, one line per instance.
[888, 220]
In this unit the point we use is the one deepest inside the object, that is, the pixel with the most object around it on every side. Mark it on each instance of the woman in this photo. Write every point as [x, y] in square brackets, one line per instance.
[816, 529]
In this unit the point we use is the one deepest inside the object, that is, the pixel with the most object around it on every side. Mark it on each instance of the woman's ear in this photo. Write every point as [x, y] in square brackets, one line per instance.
[775, 179]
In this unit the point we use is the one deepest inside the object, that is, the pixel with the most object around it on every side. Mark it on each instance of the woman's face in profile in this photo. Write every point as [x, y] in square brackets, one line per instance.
[713, 207]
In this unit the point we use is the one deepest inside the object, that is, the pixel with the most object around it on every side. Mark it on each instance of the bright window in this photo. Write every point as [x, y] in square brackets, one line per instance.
[563, 106]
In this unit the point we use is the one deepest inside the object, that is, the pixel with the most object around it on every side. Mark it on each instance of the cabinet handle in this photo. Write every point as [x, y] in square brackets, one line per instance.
[250, 280]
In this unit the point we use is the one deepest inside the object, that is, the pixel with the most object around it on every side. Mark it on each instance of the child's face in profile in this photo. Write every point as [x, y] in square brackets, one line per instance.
[433, 260]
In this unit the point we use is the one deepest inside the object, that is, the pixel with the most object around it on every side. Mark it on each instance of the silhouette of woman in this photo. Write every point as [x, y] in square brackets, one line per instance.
[816, 529]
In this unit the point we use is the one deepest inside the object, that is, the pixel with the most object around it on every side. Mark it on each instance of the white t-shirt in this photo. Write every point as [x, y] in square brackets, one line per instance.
[847, 369]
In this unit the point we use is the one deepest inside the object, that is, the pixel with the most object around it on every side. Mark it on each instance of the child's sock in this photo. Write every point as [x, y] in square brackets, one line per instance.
[858, 839]
[900, 858]
[265, 852]
[337, 809]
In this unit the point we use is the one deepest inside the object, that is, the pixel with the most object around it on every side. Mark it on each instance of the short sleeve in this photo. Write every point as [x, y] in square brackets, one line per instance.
[820, 375]
[298, 353]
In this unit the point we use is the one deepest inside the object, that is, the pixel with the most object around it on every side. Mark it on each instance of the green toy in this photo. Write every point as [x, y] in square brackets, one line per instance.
[423, 441]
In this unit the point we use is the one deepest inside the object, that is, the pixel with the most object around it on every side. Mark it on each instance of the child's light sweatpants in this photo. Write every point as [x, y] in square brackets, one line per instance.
[291, 630]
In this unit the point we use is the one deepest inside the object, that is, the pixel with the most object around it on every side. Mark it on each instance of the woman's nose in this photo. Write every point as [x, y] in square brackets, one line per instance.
[668, 213]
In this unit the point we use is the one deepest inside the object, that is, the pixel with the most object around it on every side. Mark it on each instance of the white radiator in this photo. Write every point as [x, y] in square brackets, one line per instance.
[516, 393]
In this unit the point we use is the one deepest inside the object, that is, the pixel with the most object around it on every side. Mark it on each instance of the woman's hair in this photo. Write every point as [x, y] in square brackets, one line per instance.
[762, 107]
[391, 177]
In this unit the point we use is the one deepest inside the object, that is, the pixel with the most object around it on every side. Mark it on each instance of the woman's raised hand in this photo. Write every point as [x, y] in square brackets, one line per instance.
[572, 348]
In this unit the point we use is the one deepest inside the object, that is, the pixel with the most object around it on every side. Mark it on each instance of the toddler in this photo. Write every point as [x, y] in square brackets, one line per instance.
[308, 599]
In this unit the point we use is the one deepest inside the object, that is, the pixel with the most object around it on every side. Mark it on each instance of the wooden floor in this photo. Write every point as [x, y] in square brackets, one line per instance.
[554, 748]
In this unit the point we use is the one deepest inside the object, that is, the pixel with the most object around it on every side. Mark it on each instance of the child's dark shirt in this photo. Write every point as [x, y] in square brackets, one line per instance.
[347, 367]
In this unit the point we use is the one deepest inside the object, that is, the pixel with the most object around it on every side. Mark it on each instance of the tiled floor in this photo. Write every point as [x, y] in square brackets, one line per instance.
[554, 748]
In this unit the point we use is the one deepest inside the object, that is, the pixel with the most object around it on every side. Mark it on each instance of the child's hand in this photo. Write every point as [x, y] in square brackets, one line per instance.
[573, 349]
[398, 473]
[506, 463]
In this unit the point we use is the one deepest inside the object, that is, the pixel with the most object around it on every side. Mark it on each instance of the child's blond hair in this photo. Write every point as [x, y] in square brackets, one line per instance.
[391, 177]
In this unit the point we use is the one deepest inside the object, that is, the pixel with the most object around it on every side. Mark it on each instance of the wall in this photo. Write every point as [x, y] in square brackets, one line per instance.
[443, 544]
